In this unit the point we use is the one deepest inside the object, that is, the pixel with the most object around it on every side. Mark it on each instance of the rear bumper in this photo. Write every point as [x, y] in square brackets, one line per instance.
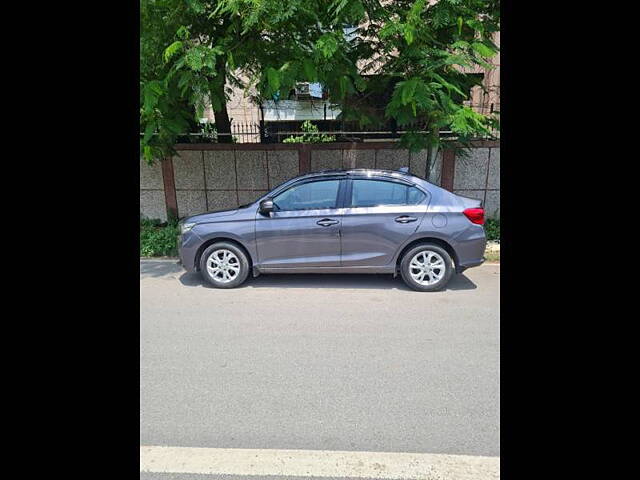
[461, 268]
[470, 251]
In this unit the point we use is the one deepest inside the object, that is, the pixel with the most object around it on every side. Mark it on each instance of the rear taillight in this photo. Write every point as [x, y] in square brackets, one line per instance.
[475, 215]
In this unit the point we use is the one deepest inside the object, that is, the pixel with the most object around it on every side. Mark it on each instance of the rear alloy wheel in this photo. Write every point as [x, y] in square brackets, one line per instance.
[224, 265]
[426, 267]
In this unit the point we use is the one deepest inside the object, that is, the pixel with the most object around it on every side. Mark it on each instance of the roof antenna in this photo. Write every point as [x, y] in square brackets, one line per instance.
[404, 169]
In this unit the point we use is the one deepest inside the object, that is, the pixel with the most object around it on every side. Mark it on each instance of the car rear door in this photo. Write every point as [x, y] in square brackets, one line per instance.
[380, 215]
[304, 231]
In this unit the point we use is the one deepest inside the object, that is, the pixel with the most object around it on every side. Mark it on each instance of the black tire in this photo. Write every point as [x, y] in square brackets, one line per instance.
[242, 262]
[426, 247]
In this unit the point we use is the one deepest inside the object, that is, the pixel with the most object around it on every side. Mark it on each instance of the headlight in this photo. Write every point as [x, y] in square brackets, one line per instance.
[185, 227]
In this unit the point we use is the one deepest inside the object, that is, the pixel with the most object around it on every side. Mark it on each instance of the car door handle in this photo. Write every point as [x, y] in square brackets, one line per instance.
[326, 222]
[405, 219]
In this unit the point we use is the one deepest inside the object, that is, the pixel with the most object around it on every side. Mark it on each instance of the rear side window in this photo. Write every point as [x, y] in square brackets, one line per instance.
[312, 195]
[371, 193]
[415, 196]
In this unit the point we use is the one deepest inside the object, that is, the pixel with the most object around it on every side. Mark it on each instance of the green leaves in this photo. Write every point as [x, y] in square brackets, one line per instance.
[172, 49]
[415, 11]
[346, 86]
[182, 32]
[147, 153]
[390, 29]
[199, 57]
[483, 49]
[409, 33]
[466, 122]
[449, 86]
[149, 131]
[337, 6]
[191, 48]
[424, 44]
[273, 77]
[184, 82]
[349, 12]
[194, 59]
[309, 69]
[157, 238]
[360, 83]
[407, 90]
[414, 18]
[152, 92]
[327, 44]
[311, 135]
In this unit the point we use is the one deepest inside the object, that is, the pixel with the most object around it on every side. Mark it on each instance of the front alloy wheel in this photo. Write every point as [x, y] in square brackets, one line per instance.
[224, 265]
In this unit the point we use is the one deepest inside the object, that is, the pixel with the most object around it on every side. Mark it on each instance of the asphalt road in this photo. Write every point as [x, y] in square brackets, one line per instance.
[320, 362]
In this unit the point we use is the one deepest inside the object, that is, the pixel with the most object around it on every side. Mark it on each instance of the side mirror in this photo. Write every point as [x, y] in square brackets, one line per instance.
[266, 206]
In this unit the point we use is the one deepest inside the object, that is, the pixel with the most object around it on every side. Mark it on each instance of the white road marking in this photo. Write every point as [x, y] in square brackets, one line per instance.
[317, 463]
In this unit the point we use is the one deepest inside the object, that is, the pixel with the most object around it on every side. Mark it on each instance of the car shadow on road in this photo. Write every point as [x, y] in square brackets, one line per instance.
[159, 268]
[326, 280]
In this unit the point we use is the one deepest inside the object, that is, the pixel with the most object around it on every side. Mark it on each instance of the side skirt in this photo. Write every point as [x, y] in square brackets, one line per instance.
[257, 270]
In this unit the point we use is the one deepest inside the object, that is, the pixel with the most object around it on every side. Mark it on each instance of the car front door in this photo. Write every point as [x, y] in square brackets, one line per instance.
[380, 215]
[303, 231]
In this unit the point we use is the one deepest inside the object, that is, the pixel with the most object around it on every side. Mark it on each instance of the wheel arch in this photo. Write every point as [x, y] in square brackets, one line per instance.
[437, 241]
[221, 238]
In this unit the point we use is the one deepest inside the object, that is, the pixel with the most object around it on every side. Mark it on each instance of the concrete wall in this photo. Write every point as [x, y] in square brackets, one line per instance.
[477, 175]
[219, 179]
[152, 202]
[224, 177]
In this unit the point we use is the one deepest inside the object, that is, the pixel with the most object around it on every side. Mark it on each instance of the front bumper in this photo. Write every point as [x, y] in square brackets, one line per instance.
[178, 242]
[188, 245]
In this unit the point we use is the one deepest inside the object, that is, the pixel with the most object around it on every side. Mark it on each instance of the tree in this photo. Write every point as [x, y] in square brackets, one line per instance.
[418, 50]
[193, 50]
[415, 48]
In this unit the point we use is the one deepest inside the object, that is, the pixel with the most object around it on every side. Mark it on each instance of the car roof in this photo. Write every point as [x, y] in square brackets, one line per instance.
[364, 172]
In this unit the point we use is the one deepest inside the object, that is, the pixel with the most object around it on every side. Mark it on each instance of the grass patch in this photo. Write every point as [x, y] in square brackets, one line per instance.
[157, 238]
[492, 256]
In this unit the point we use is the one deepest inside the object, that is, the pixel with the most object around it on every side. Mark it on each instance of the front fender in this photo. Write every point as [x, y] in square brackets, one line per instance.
[242, 232]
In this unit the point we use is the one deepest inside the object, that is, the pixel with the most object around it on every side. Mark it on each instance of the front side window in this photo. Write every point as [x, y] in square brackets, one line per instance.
[371, 193]
[312, 195]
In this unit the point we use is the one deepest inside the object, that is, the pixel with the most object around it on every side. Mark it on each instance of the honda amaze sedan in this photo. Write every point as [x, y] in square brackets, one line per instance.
[340, 221]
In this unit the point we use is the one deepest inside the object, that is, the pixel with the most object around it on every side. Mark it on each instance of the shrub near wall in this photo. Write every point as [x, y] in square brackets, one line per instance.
[157, 238]
[492, 229]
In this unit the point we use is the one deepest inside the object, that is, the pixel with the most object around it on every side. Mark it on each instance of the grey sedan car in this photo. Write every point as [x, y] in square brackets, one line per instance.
[340, 221]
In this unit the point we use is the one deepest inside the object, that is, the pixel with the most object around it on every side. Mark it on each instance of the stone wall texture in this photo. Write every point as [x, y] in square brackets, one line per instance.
[207, 180]
[152, 203]
[477, 175]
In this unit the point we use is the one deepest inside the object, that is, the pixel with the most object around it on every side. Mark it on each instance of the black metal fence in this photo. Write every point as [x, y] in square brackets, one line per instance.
[277, 131]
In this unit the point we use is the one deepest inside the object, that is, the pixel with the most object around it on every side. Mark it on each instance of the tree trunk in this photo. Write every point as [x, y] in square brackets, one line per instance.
[428, 162]
[221, 116]
[223, 125]
[432, 160]
[432, 152]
